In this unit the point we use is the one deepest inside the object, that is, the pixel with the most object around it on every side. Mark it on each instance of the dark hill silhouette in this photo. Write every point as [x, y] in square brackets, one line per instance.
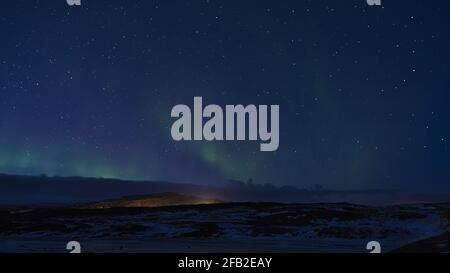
[44, 190]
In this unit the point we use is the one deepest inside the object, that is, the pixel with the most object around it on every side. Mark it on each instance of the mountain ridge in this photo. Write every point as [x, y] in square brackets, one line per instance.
[149, 201]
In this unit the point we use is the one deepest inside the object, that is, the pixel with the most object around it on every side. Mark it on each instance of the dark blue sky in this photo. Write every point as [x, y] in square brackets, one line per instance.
[363, 91]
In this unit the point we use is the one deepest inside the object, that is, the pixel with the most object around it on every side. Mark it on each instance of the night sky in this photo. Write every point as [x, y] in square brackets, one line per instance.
[363, 91]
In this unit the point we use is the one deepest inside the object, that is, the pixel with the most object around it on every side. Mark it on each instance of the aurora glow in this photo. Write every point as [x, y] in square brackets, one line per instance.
[87, 91]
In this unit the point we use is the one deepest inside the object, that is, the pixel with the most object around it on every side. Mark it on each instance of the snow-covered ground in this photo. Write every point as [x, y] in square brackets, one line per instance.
[245, 227]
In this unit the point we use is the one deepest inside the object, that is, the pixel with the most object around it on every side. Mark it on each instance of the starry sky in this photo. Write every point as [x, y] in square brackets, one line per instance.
[363, 91]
